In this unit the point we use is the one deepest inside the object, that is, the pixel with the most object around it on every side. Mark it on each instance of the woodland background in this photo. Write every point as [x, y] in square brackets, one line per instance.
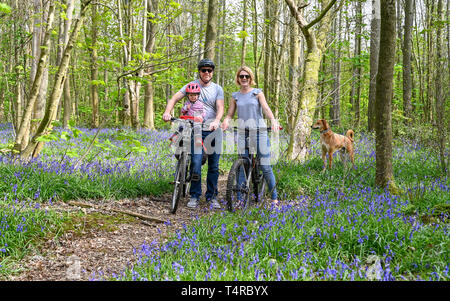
[83, 85]
[116, 63]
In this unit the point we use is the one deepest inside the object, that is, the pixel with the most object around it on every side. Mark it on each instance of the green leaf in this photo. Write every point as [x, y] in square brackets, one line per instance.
[47, 138]
[97, 83]
[5, 8]
[73, 153]
[242, 34]
[65, 136]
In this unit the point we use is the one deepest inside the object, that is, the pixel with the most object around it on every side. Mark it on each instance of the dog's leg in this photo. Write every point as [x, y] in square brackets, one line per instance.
[330, 159]
[352, 158]
[324, 159]
[343, 158]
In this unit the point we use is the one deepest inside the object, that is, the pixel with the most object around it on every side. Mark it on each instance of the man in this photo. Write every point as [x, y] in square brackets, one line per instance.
[212, 96]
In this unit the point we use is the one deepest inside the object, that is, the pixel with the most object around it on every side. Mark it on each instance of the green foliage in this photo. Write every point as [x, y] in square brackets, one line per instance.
[4, 8]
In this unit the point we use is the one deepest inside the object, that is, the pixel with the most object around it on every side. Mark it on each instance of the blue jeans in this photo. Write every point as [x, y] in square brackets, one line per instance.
[213, 166]
[263, 151]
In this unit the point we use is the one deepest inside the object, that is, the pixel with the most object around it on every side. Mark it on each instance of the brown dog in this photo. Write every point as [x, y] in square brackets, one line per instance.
[332, 142]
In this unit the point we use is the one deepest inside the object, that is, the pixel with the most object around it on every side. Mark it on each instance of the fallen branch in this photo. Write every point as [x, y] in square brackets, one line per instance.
[126, 212]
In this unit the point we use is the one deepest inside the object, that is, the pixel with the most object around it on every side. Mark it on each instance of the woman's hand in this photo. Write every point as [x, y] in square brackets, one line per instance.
[275, 126]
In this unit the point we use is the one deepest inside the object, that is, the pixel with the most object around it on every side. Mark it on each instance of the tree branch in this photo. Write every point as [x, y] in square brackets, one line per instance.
[322, 14]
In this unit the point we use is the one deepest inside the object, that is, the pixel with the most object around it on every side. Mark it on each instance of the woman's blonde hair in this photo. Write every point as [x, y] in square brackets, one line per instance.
[249, 71]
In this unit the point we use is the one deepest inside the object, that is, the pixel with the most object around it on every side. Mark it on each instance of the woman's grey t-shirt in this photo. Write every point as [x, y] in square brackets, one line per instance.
[208, 95]
[249, 109]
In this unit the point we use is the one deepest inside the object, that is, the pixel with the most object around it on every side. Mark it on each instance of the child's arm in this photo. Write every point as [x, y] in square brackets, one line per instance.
[185, 108]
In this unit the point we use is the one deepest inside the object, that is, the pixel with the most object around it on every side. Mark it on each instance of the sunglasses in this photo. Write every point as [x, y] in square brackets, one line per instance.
[206, 70]
[241, 76]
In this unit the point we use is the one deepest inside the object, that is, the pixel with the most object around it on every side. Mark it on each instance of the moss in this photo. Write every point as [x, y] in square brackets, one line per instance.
[394, 189]
[440, 209]
[80, 223]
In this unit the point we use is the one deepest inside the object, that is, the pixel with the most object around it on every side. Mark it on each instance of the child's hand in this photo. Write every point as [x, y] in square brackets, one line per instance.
[198, 119]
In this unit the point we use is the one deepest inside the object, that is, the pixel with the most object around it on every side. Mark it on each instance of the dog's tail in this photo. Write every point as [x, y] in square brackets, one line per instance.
[350, 135]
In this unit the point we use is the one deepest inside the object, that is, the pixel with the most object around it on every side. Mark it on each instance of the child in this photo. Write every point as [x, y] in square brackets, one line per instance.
[193, 107]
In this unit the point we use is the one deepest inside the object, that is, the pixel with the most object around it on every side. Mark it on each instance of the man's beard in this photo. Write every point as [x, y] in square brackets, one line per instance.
[205, 82]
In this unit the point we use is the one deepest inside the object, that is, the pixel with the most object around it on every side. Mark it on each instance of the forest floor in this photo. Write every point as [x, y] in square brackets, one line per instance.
[101, 241]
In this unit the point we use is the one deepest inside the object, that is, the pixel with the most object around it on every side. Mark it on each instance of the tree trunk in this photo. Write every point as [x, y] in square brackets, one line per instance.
[429, 76]
[356, 83]
[222, 73]
[374, 50]
[244, 32]
[211, 30]
[298, 147]
[94, 69]
[335, 109]
[440, 95]
[126, 111]
[67, 99]
[267, 45]
[24, 125]
[407, 79]
[294, 71]
[45, 127]
[255, 42]
[274, 58]
[383, 123]
[149, 115]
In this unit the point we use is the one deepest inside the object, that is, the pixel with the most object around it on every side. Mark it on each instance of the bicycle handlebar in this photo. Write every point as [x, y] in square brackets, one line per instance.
[183, 117]
[269, 129]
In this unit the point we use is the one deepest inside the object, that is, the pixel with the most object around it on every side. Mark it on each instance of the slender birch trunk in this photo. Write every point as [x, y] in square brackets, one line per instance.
[374, 50]
[66, 90]
[149, 115]
[20, 143]
[45, 127]
[94, 69]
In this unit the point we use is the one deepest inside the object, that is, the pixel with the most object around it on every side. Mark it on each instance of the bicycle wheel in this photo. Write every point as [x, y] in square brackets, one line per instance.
[187, 176]
[178, 184]
[239, 186]
[259, 186]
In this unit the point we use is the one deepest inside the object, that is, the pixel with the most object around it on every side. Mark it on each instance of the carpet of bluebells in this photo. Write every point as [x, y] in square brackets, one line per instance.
[335, 226]
[109, 171]
[332, 225]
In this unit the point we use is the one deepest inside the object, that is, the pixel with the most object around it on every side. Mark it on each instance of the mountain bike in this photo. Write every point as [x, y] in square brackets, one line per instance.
[246, 184]
[182, 141]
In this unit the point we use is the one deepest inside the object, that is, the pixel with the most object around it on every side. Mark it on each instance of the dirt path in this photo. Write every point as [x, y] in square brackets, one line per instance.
[97, 244]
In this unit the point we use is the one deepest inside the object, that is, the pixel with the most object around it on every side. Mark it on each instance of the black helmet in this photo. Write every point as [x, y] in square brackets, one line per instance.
[206, 63]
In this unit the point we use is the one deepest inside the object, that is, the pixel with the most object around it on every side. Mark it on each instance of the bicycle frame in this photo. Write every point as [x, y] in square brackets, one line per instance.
[253, 181]
[182, 172]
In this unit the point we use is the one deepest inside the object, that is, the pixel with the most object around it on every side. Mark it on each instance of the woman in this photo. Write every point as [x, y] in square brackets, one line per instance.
[250, 103]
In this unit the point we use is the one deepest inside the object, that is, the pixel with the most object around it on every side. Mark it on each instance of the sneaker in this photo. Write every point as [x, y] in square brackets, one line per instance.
[193, 203]
[215, 204]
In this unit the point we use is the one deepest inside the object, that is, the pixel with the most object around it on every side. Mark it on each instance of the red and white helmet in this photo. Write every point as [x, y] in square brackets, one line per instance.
[193, 87]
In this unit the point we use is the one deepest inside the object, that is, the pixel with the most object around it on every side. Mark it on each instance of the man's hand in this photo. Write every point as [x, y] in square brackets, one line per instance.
[166, 117]
[214, 125]
[225, 124]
